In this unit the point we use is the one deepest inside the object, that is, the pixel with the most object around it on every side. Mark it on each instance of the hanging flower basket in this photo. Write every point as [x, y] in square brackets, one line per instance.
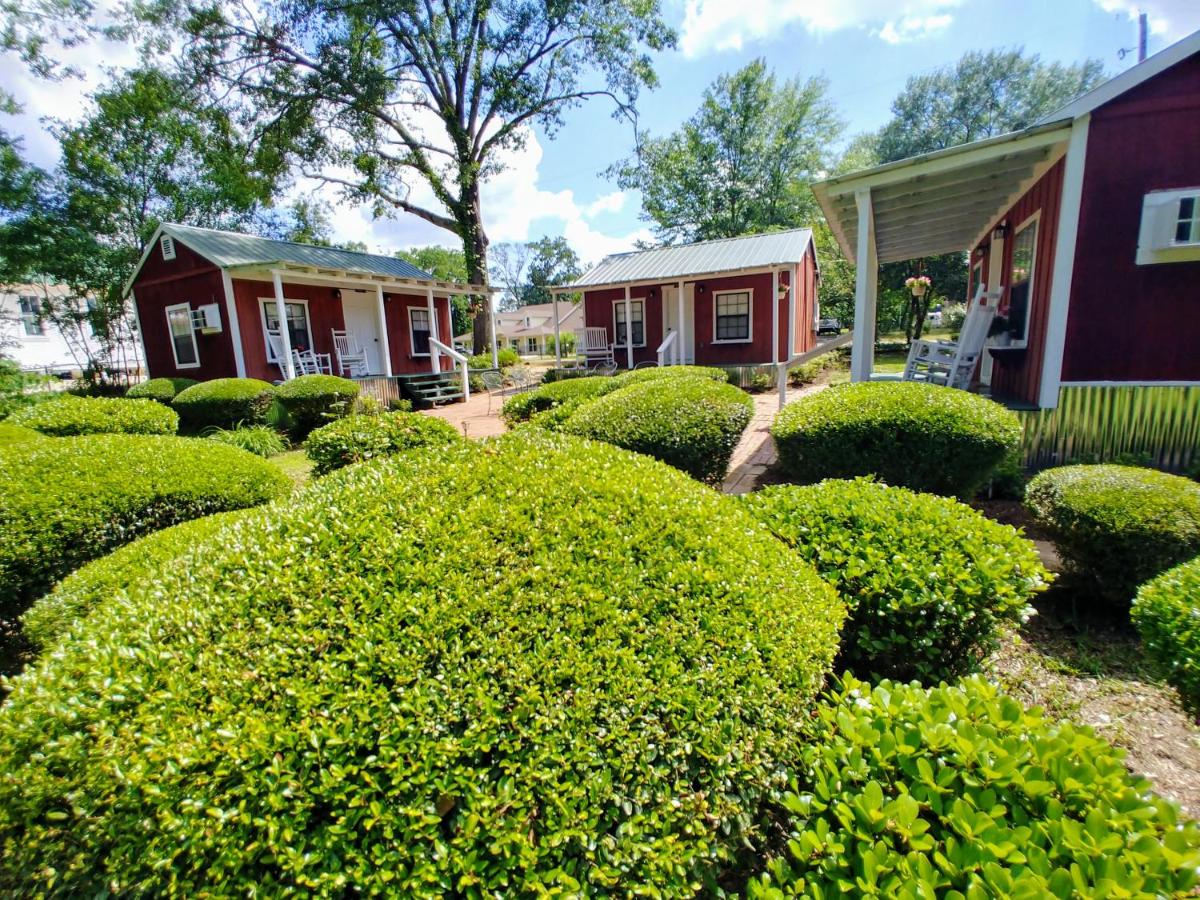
[918, 284]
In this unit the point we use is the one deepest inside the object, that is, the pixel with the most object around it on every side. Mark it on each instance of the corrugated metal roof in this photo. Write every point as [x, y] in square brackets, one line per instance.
[229, 248]
[703, 258]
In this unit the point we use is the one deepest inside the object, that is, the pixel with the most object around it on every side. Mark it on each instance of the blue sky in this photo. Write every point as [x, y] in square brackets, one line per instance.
[865, 48]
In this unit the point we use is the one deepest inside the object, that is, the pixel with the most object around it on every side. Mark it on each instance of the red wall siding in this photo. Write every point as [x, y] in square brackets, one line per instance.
[598, 312]
[805, 338]
[1128, 322]
[400, 342]
[324, 314]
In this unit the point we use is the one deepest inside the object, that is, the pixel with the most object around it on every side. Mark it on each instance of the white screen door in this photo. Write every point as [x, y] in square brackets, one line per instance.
[671, 313]
[360, 310]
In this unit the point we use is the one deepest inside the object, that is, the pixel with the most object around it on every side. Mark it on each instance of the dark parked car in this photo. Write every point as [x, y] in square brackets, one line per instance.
[829, 326]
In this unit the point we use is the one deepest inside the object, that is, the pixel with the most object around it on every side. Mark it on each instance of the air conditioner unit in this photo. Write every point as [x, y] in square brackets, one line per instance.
[207, 319]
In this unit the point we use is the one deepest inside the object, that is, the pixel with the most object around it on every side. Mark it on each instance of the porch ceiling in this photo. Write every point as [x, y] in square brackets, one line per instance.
[357, 280]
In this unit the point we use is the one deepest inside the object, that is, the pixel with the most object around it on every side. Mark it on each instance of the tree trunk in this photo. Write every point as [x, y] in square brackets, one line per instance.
[475, 247]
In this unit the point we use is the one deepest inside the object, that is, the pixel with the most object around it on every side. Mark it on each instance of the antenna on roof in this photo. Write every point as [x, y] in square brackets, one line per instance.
[1143, 29]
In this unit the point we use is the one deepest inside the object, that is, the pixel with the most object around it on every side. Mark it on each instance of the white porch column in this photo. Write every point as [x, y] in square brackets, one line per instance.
[381, 317]
[793, 289]
[866, 285]
[435, 362]
[780, 370]
[628, 330]
[289, 369]
[557, 346]
[491, 306]
[679, 338]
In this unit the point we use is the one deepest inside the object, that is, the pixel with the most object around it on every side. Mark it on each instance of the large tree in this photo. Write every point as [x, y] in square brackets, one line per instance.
[412, 105]
[742, 163]
[444, 264]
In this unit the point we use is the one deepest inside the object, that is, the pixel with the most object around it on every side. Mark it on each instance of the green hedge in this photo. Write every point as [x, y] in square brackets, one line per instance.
[16, 434]
[161, 389]
[928, 580]
[359, 438]
[520, 407]
[311, 401]
[69, 415]
[534, 667]
[690, 423]
[71, 500]
[962, 792]
[913, 435]
[1117, 526]
[654, 373]
[225, 402]
[1167, 613]
[143, 560]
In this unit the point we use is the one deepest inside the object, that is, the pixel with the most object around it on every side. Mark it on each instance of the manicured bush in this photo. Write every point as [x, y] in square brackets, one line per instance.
[1116, 527]
[16, 434]
[690, 423]
[161, 389]
[225, 402]
[809, 372]
[506, 357]
[67, 501]
[534, 667]
[314, 400]
[143, 560]
[67, 415]
[913, 435]
[261, 440]
[1167, 613]
[359, 438]
[928, 580]
[520, 407]
[654, 373]
[962, 792]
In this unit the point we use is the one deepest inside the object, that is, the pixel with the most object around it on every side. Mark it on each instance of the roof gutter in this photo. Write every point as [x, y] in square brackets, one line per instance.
[764, 269]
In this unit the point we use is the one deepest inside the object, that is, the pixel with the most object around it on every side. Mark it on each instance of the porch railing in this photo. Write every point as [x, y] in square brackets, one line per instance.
[668, 342]
[459, 358]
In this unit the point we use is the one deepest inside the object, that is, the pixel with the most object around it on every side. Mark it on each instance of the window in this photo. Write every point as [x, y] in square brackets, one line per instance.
[531, 345]
[418, 329]
[732, 312]
[299, 332]
[31, 317]
[167, 244]
[183, 339]
[1170, 227]
[637, 313]
[1020, 279]
[1187, 223]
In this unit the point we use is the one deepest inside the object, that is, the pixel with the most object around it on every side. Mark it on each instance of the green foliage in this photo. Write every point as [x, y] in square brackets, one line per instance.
[225, 403]
[67, 415]
[142, 560]
[912, 435]
[507, 357]
[261, 440]
[654, 373]
[1117, 526]
[809, 372]
[526, 271]
[553, 375]
[929, 582]
[444, 264]
[15, 386]
[16, 434]
[480, 361]
[1009, 478]
[962, 792]
[312, 400]
[520, 407]
[690, 423]
[359, 438]
[70, 500]
[161, 389]
[533, 667]
[1166, 612]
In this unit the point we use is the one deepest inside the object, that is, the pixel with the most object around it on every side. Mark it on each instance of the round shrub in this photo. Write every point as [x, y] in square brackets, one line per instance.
[654, 373]
[312, 400]
[359, 438]
[1166, 612]
[16, 434]
[520, 407]
[69, 415]
[68, 501]
[225, 402]
[962, 792]
[913, 435]
[928, 580]
[161, 389]
[1117, 526]
[261, 440]
[538, 666]
[142, 560]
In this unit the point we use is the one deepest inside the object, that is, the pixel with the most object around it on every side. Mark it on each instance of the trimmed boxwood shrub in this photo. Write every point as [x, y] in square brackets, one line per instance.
[16, 434]
[161, 389]
[653, 373]
[1117, 526]
[312, 400]
[1167, 613]
[359, 438]
[962, 792]
[913, 435]
[225, 402]
[928, 580]
[520, 407]
[142, 560]
[538, 666]
[69, 415]
[68, 501]
[691, 423]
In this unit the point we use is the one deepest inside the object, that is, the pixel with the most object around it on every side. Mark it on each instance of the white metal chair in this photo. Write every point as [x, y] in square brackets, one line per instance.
[492, 382]
[592, 345]
[304, 362]
[952, 363]
[351, 357]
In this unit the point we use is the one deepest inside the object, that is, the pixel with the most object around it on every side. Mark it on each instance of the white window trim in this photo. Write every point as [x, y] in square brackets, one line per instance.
[191, 333]
[749, 338]
[42, 336]
[1033, 270]
[263, 303]
[1156, 234]
[620, 301]
[412, 341]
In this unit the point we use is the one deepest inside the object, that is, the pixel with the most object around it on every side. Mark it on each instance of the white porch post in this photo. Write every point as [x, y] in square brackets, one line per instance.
[557, 347]
[780, 368]
[384, 347]
[491, 308]
[679, 338]
[285, 339]
[435, 362]
[628, 330]
[866, 285]
[793, 288]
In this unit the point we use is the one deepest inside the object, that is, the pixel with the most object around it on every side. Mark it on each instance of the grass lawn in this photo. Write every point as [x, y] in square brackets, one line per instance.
[295, 465]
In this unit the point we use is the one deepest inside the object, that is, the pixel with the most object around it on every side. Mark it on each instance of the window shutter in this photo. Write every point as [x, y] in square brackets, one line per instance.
[167, 244]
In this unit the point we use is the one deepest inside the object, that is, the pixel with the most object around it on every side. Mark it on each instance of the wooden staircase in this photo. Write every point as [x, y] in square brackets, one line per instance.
[431, 389]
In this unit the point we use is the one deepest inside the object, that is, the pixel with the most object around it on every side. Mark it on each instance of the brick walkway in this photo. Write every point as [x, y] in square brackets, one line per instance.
[472, 418]
[756, 451]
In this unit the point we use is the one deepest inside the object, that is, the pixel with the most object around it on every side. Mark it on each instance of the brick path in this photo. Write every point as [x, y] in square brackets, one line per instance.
[756, 451]
[472, 418]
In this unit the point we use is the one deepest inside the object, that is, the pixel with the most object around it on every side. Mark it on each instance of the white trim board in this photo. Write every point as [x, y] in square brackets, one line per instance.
[191, 334]
[1119, 384]
[633, 301]
[263, 303]
[412, 341]
[235, 329]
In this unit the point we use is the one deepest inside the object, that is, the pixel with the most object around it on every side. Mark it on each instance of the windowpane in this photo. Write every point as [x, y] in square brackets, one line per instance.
[733, 317]
[1024, 257]
[31, 316]
[179, 321]
[1187, 228]
[635, 310]
[297, 322]
[419, 319]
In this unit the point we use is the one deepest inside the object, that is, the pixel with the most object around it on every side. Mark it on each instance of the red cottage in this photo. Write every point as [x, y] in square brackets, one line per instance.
[1088, 221]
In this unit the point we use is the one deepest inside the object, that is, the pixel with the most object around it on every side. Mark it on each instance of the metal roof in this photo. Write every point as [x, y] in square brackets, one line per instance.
[704, 258]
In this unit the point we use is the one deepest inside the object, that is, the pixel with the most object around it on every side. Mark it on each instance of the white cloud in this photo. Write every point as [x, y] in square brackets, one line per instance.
[1169, 19]
[713, 25]
[606, 203]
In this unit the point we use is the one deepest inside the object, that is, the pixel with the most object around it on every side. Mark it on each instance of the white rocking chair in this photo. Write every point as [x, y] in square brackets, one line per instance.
[592, 346]
[304, 362]
[351, 358]
[952, 363]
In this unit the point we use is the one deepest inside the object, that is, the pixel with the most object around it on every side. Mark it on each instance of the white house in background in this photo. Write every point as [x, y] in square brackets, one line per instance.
[530, 329]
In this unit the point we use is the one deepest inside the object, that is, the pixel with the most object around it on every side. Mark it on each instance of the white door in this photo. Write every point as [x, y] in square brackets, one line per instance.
[361, 310]
[671, 314]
